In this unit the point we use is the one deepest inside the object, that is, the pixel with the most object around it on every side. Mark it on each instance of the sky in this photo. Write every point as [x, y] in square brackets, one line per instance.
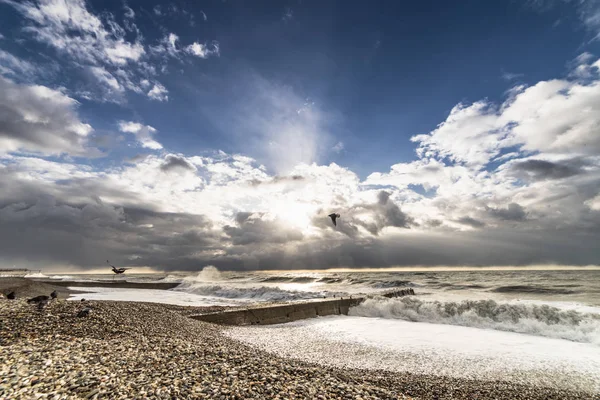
[178, 134]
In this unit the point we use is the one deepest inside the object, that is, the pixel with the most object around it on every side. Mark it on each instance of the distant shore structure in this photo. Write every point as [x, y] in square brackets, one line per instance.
[17, 272]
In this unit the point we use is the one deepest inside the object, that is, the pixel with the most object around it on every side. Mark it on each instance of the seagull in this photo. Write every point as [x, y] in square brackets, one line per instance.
[38, 299]
[11, 296]
[54, 295]
[117, 270]
[333, 217]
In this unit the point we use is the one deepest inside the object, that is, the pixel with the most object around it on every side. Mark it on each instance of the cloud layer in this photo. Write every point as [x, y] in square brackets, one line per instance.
[510, 183]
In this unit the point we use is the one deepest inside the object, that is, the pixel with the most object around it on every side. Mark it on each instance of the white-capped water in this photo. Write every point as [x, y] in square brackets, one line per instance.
[530, 318]
[425, 348]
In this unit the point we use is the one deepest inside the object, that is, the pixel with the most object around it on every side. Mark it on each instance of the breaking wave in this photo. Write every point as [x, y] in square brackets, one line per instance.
[62, 277]
[276, 279]
[392, 284]
[297, 279]
[532, 319]
[331, 280]
[35, 275]
[261, 293]
[531, 289]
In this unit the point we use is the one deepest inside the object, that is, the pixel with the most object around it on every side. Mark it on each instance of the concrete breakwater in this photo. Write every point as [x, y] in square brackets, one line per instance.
[282, 313]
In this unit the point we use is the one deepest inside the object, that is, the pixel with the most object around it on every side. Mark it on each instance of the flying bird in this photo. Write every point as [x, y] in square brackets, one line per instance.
[333, 217]
[117, 270]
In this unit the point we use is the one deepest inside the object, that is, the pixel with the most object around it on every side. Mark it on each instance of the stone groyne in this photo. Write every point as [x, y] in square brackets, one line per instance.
[282, 313]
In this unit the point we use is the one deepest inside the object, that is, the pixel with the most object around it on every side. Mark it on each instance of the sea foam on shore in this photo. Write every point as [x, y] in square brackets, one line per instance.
[431, 349]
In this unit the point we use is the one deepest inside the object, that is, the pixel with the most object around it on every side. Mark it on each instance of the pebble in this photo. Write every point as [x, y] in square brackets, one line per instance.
[125, 350]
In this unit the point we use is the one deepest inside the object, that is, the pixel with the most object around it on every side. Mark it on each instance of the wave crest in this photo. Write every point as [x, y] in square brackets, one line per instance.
[260, 293]
[533, 319]
[35, 275]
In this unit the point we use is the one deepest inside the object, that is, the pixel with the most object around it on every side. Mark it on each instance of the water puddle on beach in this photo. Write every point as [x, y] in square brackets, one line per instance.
[425, 348]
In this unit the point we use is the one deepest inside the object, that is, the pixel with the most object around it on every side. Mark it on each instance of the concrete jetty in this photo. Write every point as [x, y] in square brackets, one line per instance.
[282, 313]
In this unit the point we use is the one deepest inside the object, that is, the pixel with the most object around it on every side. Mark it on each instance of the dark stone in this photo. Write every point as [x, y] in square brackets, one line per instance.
[38, 299]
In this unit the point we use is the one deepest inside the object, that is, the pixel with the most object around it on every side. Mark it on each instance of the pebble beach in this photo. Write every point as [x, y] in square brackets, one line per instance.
[130, 350]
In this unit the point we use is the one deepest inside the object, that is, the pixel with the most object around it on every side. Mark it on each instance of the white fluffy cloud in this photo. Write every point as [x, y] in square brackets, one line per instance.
[158, 92]
[55, 21]
[558, 116]
[115, 56]
[38, 119]
[549, 177]
[202, 50]
[169, 47]
[143, 134]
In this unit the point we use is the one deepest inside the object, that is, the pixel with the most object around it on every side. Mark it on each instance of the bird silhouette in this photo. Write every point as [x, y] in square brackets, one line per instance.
[333, 217]
[117, 270]
[54, 294]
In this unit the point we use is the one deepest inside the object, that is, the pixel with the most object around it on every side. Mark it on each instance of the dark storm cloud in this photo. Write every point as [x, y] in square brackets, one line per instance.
[173, 162]
[383, 213]
[390, 213]
[44, 223]
[41, 230]
[513, 212]
[490, 247]
[542, 169]
[472, 222]
[46, 230]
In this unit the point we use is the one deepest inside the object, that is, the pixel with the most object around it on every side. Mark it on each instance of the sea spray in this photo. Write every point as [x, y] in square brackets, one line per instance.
[256, 293]
[533, 319]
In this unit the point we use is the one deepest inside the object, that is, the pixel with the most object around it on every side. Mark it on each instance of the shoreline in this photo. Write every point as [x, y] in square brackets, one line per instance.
[131, 349]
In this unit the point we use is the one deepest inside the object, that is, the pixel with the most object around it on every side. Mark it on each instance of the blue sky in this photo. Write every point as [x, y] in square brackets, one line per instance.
[384, 71]
[436, 103]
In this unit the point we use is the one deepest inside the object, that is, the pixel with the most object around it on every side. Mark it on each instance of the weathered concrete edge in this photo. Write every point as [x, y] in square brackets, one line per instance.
[279, 314]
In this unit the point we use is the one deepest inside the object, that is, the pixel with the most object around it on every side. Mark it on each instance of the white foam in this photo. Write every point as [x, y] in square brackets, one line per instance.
[148, 295]
[35, 275]
[247, 293]
[522, 317]
[425, 348]
[62, 277]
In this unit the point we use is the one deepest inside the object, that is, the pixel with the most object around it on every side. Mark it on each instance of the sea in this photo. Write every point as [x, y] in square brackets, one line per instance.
[539, 327]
